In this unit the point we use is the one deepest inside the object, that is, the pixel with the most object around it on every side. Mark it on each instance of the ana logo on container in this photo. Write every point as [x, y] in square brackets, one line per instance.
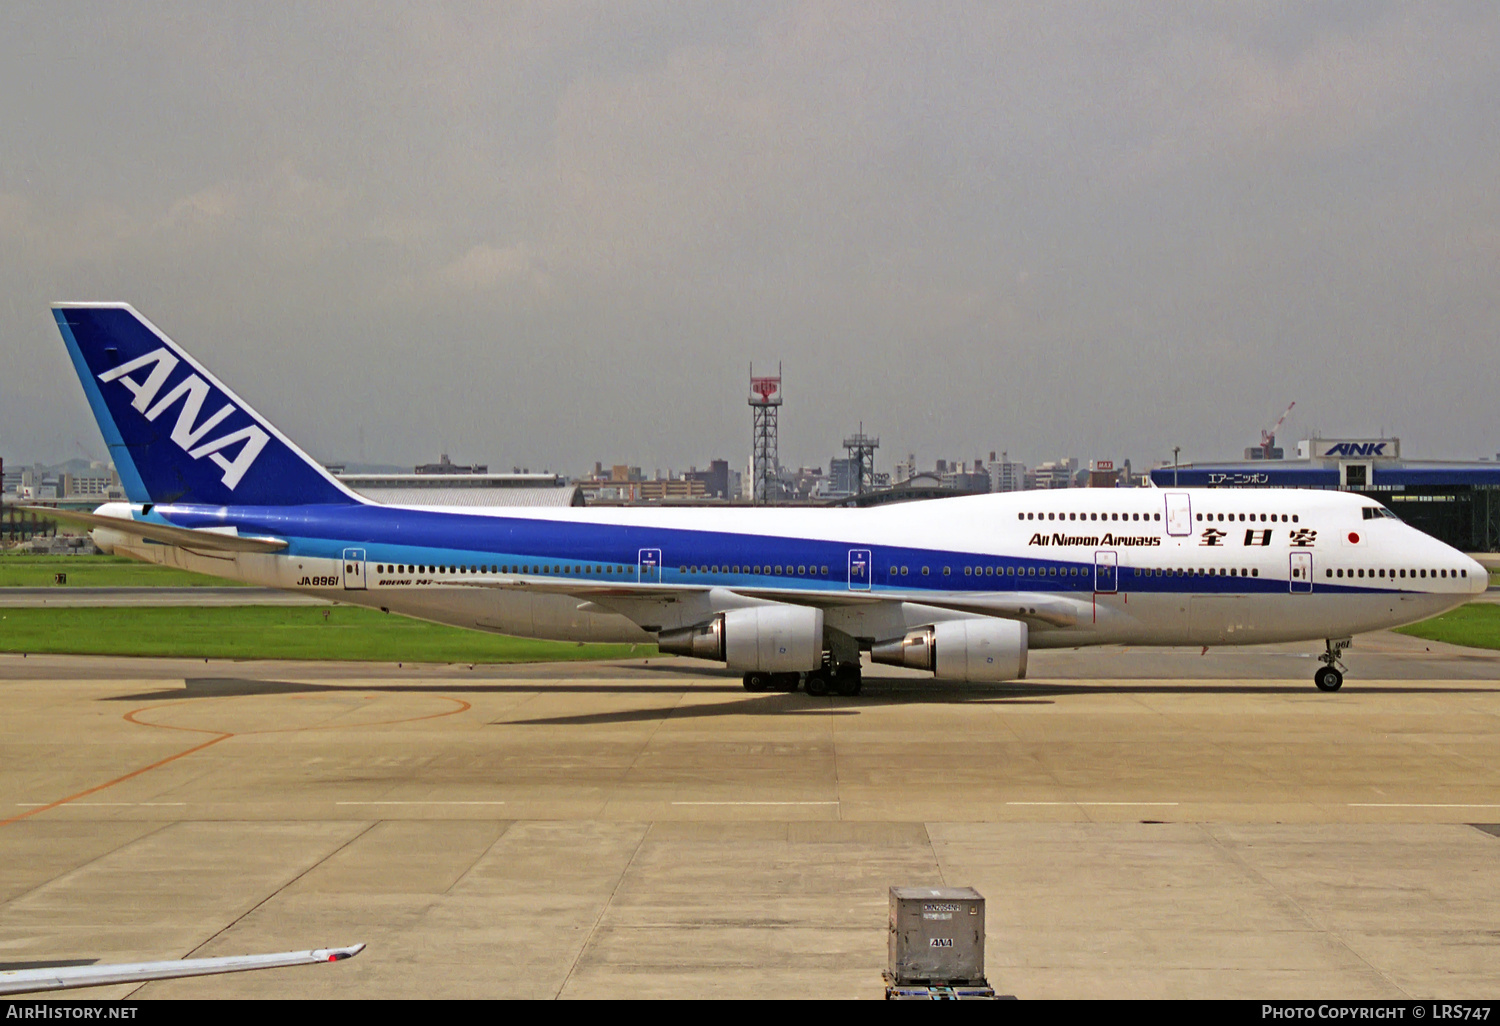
[189, 432]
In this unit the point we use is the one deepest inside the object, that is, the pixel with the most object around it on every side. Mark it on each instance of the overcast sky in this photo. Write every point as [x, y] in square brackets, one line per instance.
[549, 234]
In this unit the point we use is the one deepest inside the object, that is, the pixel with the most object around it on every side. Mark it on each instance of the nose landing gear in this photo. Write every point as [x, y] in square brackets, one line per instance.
[1331, 677]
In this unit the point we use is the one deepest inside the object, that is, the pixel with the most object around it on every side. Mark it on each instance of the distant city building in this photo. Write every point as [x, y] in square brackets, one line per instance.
[446, 466]
[1054, 474]
[672, 488]
[715, 479]
[1102, 474]
[1006, 476]
[843, 478]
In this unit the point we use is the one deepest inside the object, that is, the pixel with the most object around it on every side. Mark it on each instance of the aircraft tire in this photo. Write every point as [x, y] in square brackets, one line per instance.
[755, 681]
[817, 683]
[847, 684]
[1328, 679]
[785, 681]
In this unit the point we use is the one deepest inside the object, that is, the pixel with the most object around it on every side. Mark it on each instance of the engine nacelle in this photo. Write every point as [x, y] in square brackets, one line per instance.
[979, 650]
[775, 639]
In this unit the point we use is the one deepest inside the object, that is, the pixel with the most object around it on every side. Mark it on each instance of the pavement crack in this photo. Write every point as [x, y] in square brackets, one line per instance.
[251, 910]
[603, 910]
[478, 859]
[1309, 917]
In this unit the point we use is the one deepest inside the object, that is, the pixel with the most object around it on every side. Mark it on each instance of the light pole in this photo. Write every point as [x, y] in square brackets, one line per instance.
[1175, 450]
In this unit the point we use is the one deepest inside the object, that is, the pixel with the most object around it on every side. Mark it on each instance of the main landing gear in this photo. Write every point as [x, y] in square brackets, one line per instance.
[835, 678]
[1330, 677]
[840, 679]
[758, 680]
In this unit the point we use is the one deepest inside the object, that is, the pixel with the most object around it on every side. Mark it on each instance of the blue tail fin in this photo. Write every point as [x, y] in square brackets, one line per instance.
[175, 433]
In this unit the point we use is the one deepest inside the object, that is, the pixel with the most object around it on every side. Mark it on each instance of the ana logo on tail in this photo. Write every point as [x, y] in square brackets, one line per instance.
[189, 432]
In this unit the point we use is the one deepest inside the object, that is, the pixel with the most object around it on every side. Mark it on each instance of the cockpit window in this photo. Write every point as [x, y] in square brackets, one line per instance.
[1377, 513]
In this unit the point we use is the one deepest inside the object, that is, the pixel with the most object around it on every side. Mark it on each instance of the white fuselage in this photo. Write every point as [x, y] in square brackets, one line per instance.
[1080, 566]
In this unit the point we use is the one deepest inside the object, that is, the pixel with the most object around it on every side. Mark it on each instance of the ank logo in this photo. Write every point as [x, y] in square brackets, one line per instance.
[190, 433]
[1358, 449]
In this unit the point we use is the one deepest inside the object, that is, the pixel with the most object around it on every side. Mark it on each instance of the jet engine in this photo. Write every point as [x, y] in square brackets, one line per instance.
[774, 639]
[978, 650]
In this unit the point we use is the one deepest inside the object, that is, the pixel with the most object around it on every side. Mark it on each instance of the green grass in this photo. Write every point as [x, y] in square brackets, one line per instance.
[1476, 625]
[27, 570]
[277, 632]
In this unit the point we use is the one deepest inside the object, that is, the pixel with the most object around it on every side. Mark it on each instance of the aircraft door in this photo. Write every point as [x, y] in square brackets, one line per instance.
[649, 566]
[1179, 513]
[1106, 571]
[354, 569]
[1301, 573]
[859, 569]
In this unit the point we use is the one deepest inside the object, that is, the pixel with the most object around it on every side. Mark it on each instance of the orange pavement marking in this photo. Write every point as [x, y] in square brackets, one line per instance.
[111, 783]
[130, 717]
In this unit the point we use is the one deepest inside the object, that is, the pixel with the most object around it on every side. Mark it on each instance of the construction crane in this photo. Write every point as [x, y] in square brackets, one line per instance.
[1268, 438]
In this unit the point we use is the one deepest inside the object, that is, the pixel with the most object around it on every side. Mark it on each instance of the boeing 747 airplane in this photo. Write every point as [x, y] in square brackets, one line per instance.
[960, 587]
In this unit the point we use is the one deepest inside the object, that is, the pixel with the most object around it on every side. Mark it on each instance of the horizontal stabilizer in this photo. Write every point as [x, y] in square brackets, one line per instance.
[24, 981]
[186, 537]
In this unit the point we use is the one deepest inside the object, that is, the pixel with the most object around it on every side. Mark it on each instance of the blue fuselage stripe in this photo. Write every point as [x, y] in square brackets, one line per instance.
[525, 545]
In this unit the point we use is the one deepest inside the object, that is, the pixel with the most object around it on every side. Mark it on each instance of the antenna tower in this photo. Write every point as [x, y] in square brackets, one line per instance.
[861, 449]
[765, 404]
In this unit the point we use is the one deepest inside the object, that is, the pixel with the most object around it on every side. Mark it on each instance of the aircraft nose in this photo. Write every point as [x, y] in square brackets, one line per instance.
[1479, 576]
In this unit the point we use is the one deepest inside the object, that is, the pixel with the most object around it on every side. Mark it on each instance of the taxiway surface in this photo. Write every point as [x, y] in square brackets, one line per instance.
[1142, 823]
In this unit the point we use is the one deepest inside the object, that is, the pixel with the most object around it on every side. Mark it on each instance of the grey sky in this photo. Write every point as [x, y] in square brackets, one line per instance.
[548, 234]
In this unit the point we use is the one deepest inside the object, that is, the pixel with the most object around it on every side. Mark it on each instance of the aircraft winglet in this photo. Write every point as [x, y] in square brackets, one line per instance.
[22, 981]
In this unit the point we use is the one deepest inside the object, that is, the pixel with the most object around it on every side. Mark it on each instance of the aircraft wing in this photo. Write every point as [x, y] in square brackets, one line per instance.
[1031, 608]
[187, 537]
[21, 981]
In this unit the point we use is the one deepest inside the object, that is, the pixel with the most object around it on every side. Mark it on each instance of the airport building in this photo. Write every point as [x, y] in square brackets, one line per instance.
[446, 488]
[1455, 501]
